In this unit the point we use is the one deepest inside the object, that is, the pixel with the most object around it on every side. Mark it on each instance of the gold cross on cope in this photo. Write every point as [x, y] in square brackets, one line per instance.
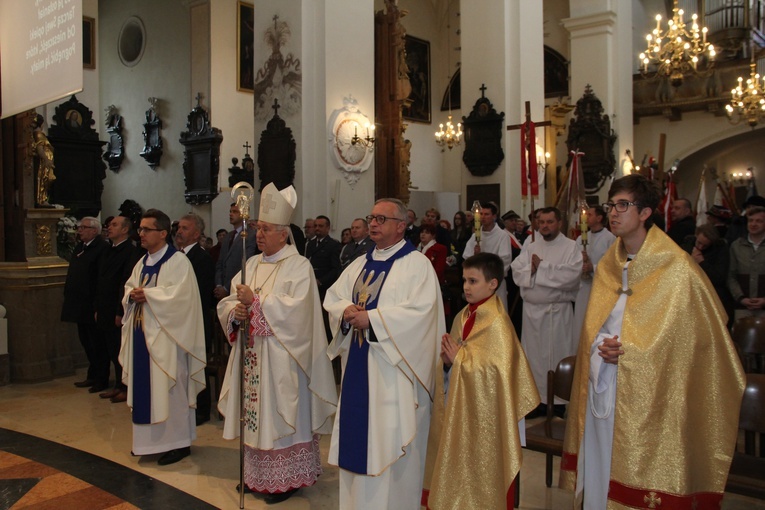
[358, 334]
[652, 500]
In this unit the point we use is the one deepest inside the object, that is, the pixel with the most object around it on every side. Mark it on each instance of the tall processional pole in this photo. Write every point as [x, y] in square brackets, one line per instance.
[243, 199]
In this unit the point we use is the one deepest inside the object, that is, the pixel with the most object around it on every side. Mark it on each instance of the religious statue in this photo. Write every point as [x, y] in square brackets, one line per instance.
[43, 154]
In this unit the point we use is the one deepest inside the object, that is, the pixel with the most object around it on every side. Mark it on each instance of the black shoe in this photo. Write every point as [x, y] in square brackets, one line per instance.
[97, 388]
[174, 456]
[560, 411]
[271, 499]
[109, 394]
[247, 490]
[87, 383]
[202, 418]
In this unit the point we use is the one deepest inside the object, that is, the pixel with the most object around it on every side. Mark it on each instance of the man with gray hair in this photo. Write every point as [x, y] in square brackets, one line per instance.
[387, 320]
[79, 302]
[190, 230]
[360, 243]
[289, 393]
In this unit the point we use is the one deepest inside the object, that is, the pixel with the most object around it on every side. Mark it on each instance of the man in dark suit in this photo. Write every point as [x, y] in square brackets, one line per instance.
[190, 229]
[360, 243]
[324, 254]
[412, 232]
[230, 260]
[79, 302]
[683, 224]
[117, 263]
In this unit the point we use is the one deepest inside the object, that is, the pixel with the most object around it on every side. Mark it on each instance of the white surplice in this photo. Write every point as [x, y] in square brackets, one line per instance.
[408, 324]
[597, 244]
[594, 460]
[496, 241]
[547, 335]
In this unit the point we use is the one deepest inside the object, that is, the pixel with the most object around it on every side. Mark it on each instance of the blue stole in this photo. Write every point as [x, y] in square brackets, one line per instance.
[354, 393]
[141, 360]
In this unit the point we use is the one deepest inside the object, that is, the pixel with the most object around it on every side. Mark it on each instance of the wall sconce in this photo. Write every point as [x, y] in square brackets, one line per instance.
[368, 141]
[741, 178]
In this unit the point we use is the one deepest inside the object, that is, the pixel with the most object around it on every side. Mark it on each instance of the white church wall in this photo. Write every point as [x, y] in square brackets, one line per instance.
[163, 72]
[502, 47]
[230, 109]
[349, 70]
[685, 138]
[427, 164]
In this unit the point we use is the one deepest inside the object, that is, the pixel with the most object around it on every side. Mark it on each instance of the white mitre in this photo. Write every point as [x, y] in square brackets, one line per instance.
[277, 206]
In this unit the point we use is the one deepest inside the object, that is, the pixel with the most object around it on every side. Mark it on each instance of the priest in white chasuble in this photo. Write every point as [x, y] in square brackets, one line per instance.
[657, 388]
[598, 240]
[289, 389]
[547, 272]
[387, 320]
[163, 345]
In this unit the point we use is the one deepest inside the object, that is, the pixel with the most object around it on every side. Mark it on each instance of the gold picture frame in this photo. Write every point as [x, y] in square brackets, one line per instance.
[245, 42]
[88, 43]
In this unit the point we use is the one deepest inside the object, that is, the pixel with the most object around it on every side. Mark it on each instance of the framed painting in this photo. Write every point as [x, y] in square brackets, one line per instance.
[245, 41]
[418, 62]
[88, 43]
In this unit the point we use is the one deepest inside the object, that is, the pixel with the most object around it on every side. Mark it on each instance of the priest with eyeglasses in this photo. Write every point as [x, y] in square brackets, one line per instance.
[387, 321]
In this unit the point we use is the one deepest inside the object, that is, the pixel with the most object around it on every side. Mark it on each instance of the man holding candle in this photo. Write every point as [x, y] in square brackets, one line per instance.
[592, 244]
[491, 239]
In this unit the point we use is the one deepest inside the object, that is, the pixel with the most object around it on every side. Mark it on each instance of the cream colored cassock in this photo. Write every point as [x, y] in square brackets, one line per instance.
[597, 244]
[297, 393]
[408, 323]
[547, 335]
[496, 241]
[172, 324]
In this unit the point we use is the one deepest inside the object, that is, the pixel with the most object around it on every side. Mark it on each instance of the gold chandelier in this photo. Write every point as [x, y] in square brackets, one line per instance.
[676, 51]
[747, 102]
[448, 135]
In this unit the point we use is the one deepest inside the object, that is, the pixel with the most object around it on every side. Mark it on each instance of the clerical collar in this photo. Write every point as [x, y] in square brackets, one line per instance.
[386, 253]
[119, 243]
[270, 259]
[153, 258]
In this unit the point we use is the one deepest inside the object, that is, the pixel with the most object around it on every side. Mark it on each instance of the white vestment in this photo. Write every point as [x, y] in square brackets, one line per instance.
[291, 393]
[408, 324]
[172, 325]
[496, 241]
[597, 244]
[547, 335]
[594, 460]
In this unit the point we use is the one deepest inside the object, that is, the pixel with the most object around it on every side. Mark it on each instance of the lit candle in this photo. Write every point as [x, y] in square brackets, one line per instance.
[477, 221]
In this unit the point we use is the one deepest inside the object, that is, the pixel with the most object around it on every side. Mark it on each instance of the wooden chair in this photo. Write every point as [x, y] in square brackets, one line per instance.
[749, 336]
[547, 437]
[747, 472]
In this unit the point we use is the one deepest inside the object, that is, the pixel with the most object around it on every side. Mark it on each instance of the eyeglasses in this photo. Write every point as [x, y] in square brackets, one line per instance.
[380, 219]
[141, 230]
[84, 226]
[620, 206]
